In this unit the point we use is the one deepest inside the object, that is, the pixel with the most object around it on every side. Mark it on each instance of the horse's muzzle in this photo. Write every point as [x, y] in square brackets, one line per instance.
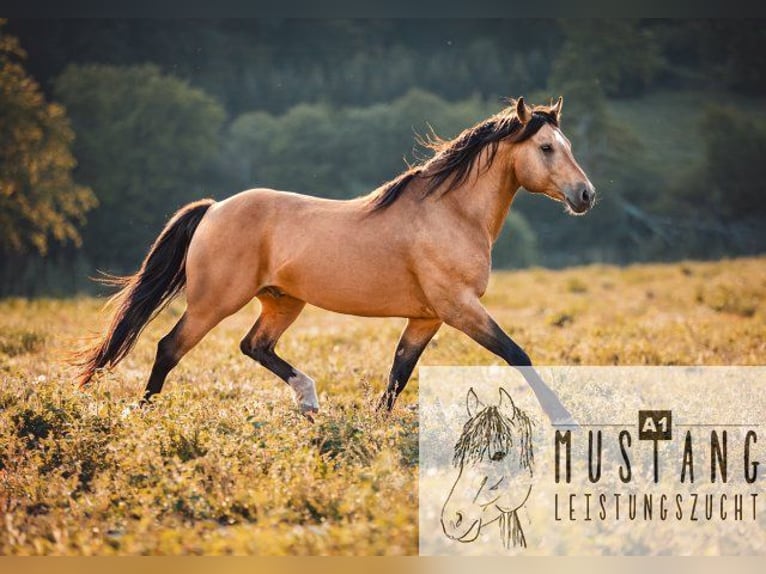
[458, 526]
[580, 198]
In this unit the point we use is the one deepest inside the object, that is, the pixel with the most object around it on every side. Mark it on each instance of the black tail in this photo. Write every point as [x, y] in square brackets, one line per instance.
[161, 277]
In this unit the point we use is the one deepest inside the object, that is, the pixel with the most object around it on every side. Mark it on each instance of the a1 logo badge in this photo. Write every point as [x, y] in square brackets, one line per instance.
[655, 425]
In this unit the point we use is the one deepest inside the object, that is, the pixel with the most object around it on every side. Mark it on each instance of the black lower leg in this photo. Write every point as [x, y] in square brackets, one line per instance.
[163, 364]
[497, 341]
[303, 386]
[268, 358]
[415, 338]
[404, 363]
[264, 354]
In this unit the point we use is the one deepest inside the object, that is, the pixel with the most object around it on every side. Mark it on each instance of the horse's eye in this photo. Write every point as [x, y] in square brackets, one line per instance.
[547, 148]
[499, 455]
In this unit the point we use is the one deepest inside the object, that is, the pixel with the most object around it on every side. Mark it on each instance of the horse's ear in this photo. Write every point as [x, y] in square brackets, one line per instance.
[506, 405]
[522, 111]
[556, 108]
[472, 403]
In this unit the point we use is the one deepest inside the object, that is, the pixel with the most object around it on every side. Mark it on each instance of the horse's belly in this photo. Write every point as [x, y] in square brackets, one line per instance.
[373, 308]
[355, 292]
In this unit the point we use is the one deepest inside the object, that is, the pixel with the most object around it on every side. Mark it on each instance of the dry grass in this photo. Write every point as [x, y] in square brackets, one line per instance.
[224, 464]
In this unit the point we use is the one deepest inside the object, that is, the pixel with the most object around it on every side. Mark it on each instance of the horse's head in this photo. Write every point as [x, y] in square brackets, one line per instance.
[543, 161]
[495, 458]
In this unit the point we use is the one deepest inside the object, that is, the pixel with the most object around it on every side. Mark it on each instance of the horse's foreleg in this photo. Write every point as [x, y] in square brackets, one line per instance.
[469, 316]
[278, 312]
[415, 337]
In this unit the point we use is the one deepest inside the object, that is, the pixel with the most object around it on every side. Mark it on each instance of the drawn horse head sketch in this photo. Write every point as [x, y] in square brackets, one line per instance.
[495, 459]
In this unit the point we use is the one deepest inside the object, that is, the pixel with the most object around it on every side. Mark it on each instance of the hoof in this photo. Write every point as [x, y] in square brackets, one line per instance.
[308, 412]
[385, 404]
[131, 408]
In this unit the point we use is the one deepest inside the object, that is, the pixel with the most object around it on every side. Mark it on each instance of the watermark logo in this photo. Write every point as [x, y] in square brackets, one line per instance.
[663, 460]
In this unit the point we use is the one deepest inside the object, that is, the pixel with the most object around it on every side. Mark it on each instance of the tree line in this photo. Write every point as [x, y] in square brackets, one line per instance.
[109, 126]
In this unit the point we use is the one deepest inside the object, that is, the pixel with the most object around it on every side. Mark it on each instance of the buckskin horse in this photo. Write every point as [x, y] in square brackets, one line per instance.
[418, 247]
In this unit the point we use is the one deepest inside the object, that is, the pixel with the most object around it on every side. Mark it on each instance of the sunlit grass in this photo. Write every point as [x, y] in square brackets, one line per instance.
[224, 464]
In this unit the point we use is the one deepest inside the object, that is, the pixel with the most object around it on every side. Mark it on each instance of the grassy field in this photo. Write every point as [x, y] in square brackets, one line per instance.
[224, 464]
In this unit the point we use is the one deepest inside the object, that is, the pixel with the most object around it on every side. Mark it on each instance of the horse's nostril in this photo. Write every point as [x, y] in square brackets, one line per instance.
[585, 195]
[458, 519]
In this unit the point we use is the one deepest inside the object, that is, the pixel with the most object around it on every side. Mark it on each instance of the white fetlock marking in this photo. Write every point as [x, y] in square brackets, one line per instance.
[305, 392]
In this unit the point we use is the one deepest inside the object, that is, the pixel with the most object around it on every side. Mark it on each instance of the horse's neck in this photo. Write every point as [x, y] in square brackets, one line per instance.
[485, 198]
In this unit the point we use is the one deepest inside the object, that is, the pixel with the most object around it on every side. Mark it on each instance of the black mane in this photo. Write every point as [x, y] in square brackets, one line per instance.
[453, 159]
[489, 431]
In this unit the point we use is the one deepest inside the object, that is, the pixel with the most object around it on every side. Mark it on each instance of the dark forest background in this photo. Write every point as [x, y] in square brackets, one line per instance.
[108, 126]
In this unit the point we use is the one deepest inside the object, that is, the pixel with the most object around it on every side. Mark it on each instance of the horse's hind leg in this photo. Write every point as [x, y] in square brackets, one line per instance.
[415, 337]
[190, 329]
[278, 312]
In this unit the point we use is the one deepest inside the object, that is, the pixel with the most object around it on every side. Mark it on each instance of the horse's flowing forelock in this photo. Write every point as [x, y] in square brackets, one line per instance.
[489, 431]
